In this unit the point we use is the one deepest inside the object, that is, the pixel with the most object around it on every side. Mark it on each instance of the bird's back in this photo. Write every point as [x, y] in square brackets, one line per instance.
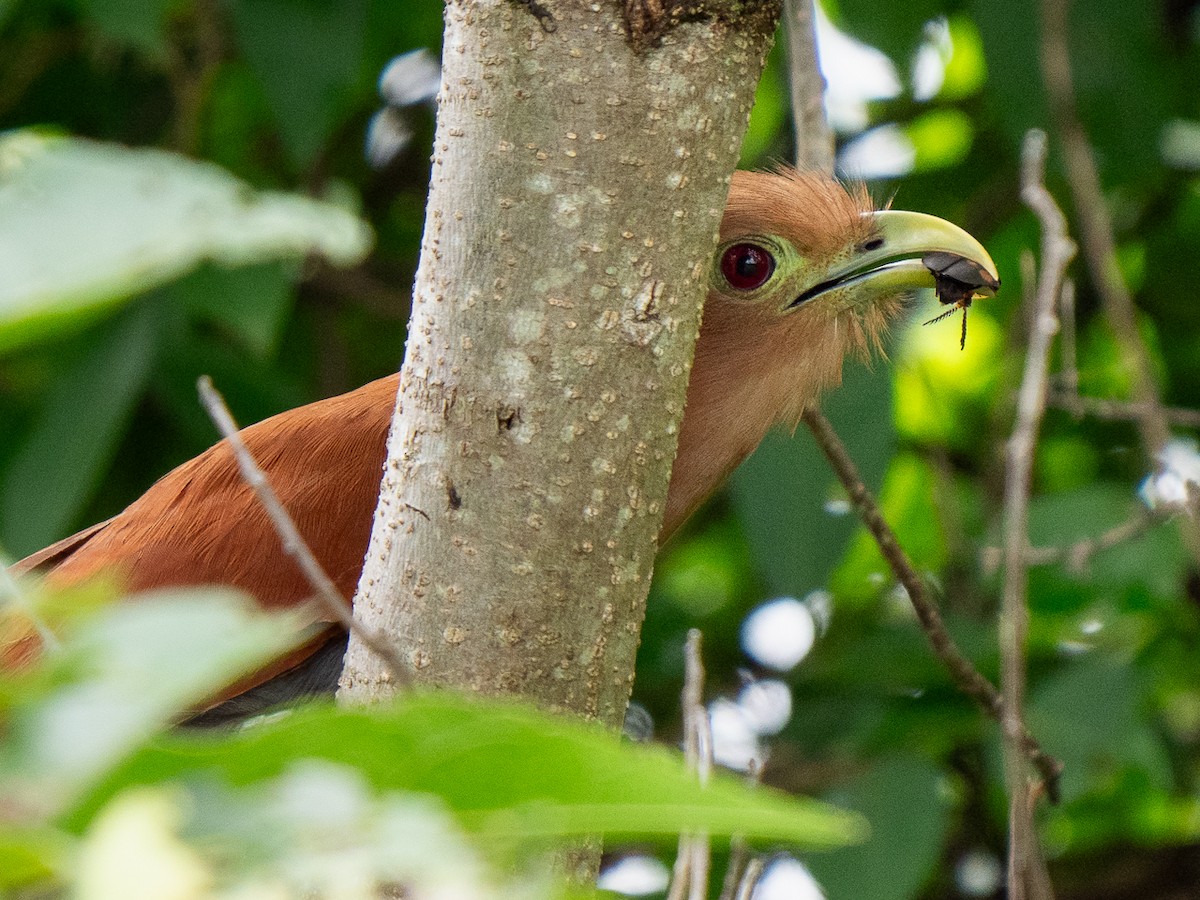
[201, 523]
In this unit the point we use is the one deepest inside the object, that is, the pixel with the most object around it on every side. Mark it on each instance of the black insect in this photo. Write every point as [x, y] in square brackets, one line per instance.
[958, 281]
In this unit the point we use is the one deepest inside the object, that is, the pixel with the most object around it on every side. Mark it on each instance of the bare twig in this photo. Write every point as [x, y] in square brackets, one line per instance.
[293, 543]
[690, 876]
[15, 594]
[1078, 555]
[1119, 410]
[739, 860]
[740, 856]
[1068, 377]
[1024, 858]
[814, 139]
[753, 873]
[966, 677]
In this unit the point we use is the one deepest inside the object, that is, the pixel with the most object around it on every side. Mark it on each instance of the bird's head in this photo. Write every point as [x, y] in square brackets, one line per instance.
[806, 273]
[800, 251]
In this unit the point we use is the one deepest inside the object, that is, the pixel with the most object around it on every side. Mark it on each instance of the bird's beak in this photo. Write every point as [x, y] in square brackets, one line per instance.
[905, 251]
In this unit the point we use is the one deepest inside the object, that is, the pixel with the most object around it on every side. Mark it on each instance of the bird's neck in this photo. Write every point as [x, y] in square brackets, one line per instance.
[750, 372]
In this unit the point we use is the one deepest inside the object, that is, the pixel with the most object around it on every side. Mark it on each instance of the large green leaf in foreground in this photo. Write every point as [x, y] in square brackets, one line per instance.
[85, 225]
[503, 769]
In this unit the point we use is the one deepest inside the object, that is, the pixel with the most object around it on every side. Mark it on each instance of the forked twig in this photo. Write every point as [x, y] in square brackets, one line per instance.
[294, 544]
[1025, 864]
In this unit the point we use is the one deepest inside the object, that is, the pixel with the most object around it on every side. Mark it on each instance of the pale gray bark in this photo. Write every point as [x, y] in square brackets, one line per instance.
[578, 183]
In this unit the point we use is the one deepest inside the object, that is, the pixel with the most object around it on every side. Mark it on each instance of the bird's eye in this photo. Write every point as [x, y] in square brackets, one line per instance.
[747, 266]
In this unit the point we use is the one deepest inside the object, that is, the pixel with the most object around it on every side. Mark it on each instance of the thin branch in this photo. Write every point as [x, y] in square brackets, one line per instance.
[1078, 555]
[814, 139]
[753, 873]
[1057, 251]
[1118, 410]
[739, 860]
[1068, 377]
[10, 588]
[966, 677]
[693, 861]
[293, 543]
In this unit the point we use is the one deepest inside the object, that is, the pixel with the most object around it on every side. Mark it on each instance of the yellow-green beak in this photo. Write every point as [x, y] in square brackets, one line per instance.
[906, 251]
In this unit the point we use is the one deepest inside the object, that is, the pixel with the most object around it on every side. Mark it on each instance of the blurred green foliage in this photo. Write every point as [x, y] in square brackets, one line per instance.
[328, 801]
[279, 92]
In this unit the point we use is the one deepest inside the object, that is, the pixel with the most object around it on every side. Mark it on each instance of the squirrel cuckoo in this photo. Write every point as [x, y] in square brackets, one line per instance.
[805, 273]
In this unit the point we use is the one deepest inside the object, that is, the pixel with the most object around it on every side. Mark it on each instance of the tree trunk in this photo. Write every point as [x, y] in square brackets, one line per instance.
[580, 169]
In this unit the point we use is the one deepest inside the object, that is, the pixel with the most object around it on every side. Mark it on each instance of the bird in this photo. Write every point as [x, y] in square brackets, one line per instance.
[805, 273]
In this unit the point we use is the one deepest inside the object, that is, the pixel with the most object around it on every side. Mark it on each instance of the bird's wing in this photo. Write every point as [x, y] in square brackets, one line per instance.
[56, 552]
[201, 524]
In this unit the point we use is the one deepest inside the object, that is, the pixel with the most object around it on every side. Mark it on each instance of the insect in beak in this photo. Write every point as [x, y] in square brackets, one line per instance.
[958, 281]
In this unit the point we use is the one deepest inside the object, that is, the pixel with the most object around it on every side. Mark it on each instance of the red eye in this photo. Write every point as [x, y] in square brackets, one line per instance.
[747, 266]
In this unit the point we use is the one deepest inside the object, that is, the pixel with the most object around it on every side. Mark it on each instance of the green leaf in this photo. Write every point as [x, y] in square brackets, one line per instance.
[966, 70]
[902, 799]
[251, 303]
[907, 503]
[504, 769]
[1087, 716]
[30, 854]
[55, 472]
[120, 675]
[84, 226]
[133, 23]
[306, 54]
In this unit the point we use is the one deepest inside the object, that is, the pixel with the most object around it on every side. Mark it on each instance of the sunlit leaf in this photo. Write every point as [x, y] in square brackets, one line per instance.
[942, 390]
[907, 500]
[941, 138]
[966, 70]
[503, 769]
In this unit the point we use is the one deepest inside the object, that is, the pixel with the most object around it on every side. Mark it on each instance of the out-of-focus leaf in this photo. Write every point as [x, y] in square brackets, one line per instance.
[120, 675]
[84, 226]
[941, 138]
[55, 472]
[942, 390]
[1124, 101]
[902, 799]
[769, 114]
[966, 70]
[252, 303]
[1065, 463]
[788, 499]
[504, 769]
[306, 53]
[1059, 520]
[29, 855]
[316, 831]
[1087, 716]
[134, 23]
